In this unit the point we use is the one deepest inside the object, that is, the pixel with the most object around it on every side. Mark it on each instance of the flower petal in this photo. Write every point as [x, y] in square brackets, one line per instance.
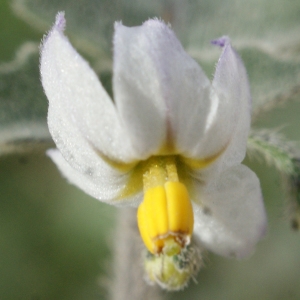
[161, 93]
[105, 188]
[80, 162]
[229, 120]
[231, 80]
[230, 216]
[72, 86]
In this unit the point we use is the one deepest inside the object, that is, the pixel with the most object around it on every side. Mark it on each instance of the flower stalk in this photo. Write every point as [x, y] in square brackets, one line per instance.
[128, 272]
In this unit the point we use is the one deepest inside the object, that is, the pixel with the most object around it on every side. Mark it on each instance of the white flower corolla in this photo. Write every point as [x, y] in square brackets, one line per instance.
[168, 131]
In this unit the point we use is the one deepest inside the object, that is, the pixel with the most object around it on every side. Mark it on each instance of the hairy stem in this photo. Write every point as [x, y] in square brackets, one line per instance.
[128, 281]
[275, 150]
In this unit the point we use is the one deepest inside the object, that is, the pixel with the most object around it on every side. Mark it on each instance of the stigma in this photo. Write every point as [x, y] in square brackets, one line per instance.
[165, 217]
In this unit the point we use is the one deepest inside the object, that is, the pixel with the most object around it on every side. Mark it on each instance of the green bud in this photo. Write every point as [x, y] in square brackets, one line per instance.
[173, 272]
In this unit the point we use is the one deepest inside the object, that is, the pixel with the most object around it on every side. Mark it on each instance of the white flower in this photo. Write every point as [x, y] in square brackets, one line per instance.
[165, 114]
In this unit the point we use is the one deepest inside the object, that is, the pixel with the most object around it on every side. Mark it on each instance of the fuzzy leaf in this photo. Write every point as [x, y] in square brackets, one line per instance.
[23, 105]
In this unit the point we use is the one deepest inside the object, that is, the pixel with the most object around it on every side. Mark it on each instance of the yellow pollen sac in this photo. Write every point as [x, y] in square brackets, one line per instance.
[165, 217]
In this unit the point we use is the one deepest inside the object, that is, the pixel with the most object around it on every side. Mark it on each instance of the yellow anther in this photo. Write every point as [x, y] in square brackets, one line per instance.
[165, 217]
[180, 211]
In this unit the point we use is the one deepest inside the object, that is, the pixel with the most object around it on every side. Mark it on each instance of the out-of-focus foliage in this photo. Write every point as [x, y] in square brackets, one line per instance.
[54, 239]
[23, 105]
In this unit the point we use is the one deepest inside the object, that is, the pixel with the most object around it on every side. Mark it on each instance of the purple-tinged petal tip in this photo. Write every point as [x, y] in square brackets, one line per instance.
[60, 21]
[221, 42]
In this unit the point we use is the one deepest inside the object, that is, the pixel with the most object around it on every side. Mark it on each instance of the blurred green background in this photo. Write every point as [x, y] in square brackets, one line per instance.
[56, 242]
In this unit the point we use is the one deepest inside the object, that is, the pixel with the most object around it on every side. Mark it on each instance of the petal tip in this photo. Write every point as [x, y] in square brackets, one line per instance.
[60, 21]
[221, 42]
[155, 23]
[59, 25]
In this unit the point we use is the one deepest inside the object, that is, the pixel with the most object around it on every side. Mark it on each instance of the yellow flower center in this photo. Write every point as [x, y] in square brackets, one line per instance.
[165, 217]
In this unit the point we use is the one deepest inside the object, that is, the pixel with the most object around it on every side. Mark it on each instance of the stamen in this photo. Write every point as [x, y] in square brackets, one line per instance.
[165, 217]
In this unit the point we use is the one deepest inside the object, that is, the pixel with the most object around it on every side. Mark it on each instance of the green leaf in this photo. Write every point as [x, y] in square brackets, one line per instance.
[273, 148]
[23, 105]
[13, 32]
[270, 77]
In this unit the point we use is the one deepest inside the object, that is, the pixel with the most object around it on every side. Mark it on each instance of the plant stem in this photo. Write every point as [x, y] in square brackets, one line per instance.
[128, 281]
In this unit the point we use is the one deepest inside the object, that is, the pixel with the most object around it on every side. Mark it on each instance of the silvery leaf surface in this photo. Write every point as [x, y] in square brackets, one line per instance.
[23, 105]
